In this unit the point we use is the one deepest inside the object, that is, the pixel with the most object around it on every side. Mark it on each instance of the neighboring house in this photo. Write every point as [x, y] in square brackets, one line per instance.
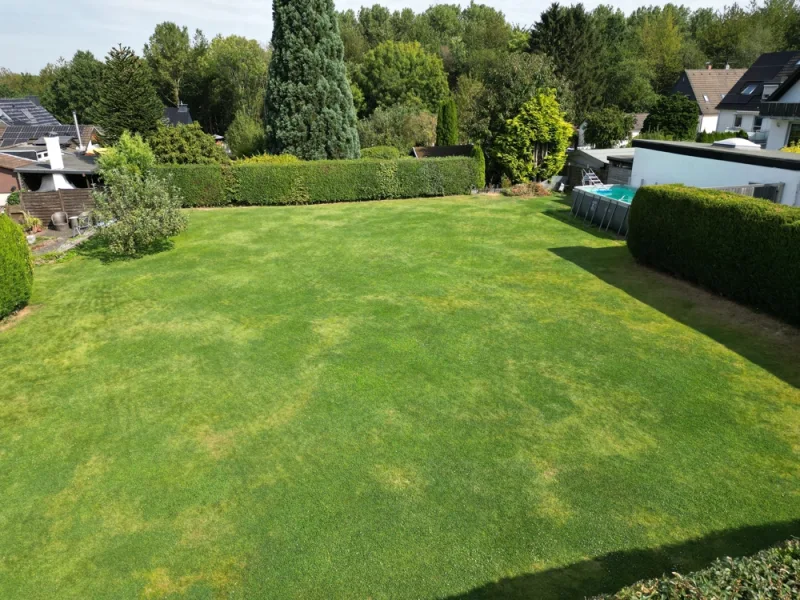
[611, 165]
[177, 115]
[638, 124]
[14, 135]
[25, 111]
[732, 163]
[8, 180]
[782, 110]
[741, 108]
[707, 87]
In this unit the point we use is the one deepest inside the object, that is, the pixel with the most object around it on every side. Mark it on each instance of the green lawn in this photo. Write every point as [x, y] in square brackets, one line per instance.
[443, 398]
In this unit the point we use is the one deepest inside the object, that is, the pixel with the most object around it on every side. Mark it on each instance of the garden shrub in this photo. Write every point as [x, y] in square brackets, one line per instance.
[13, 198]
[131, 154]
[526, 190]
[746, 249]
[716, 136]
[16, 267]
[185, 145]
[270, 159]
[140, 213]
[480, 166]
[200, 185]
[381, 152]
[772, 573]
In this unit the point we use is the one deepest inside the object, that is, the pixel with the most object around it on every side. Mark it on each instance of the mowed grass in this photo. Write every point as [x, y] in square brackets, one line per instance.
[462, 397]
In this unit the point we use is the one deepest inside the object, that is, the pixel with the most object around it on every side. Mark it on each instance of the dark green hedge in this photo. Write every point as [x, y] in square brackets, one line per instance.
[200, 185]
[772, 573]
[16, 267]
[744, 248]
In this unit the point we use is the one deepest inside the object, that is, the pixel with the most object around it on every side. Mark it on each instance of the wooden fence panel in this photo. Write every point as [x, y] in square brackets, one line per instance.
[43, 205]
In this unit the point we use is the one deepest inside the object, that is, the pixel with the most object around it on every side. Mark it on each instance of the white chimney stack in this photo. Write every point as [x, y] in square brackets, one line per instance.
[54, 154]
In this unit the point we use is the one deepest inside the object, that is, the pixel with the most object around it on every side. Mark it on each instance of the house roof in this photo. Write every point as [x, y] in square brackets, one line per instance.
[598, 158]
[441, 151]
[74, 164]
[773, 67]
[765, 158]
[20, 134]
[7, 161]
[638, 122]
[178, 115]
[25, 111]
[707, 87]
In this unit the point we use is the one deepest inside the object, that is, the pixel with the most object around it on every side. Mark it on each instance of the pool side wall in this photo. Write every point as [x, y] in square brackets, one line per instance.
[600, 210]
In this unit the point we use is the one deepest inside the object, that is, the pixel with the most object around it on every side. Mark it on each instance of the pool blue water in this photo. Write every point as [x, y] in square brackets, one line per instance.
[623, 193]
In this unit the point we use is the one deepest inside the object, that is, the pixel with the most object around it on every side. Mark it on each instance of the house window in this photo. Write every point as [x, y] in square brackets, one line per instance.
[757, 123]
[737, 121]
[705, 97]
[794, 134]
[749, 89]
[722, 96]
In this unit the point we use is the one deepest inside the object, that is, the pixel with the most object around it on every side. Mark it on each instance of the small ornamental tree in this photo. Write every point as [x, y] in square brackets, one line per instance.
[185, 145]
[534, 143]
[128, 100]
[16, 267]
[245, 136]
[480, 166]
[674, 116]
[607, 127]
[308, 109]
[141, 212]
[447, 123]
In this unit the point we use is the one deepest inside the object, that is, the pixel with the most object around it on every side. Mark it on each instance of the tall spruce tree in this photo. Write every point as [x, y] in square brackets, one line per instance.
[447, 123]
[308, 110]
[128, 100]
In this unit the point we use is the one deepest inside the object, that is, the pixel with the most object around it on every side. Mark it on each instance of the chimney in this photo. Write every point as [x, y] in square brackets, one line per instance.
[182, 108]
[54, 153]
[78, 131]
[709, 66]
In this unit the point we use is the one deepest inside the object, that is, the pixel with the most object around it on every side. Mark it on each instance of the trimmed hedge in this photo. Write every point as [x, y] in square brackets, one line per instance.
[381, 152]
[16, 267]
[772, 573]
[321, 181]
[200, 185]
[744, 248]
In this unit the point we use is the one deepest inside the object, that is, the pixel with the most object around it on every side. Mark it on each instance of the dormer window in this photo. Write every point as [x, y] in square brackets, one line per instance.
[705, 98]
[749, 89]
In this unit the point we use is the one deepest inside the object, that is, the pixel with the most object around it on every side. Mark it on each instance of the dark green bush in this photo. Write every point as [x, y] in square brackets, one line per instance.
[200, 185]
[381, 152]
[480, 166]
[772, 573]
[744, 248]
[16, 267]
[716, 136]
[13, 198]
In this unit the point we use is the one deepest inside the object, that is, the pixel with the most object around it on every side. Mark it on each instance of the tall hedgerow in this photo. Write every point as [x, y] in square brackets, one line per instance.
[308, 108]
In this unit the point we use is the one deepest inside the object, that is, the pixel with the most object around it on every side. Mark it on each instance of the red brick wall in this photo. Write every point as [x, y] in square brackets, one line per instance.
[7, 181]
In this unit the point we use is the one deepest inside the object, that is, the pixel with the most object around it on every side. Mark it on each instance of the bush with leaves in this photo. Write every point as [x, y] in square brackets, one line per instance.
[534, 144]
[608, 127]
[269, 159]
[480, 166]
[381, 152]
[16, 267]
[130, 155]
[675, 116]
[715, 136]
[139, 212]
[401, 126]
[13, 198]
[245, 137]
[185, 145]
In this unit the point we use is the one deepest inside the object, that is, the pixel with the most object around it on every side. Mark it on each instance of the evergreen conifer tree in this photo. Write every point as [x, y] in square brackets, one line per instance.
[128, 100]
[447, 123]
[308, 108]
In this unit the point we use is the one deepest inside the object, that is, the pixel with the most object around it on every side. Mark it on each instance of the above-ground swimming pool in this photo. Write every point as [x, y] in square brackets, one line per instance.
[604, 205]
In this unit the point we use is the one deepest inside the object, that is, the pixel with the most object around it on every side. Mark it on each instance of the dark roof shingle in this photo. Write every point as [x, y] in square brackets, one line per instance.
[773, 67]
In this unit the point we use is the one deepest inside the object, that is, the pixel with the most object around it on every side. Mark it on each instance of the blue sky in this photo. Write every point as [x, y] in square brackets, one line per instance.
[35, 34]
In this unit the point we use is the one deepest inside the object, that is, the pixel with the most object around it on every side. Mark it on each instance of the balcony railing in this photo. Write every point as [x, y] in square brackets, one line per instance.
[780, 110]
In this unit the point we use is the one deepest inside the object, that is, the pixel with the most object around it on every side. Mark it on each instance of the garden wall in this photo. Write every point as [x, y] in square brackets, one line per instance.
[746, 249]
[321, 181]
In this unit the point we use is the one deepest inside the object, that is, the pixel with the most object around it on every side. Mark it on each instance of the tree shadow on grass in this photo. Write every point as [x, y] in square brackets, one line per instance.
[97, 248]
[609, 573]
[755, 336]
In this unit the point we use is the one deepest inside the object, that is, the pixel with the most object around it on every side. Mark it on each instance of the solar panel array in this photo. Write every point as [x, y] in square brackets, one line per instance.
[23, 111]
[19, 134]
